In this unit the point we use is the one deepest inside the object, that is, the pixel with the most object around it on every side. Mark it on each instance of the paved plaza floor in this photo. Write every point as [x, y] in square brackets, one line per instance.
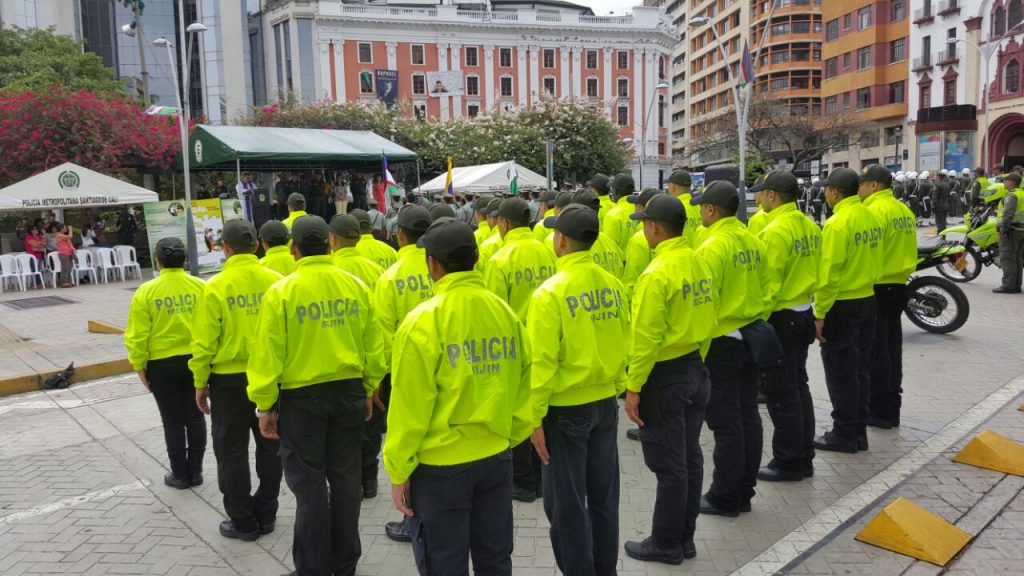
[81, 472]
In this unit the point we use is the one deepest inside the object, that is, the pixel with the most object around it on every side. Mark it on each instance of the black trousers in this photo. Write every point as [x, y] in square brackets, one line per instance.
[184, 425]
[787, 393]
[373, 436]
[234, 419]
[526, 467]
[846, 354]
[886, 393]
[581, 487]
[734, 419]
[672, 405]
[321, 429]
[940, 220]
[463, 511]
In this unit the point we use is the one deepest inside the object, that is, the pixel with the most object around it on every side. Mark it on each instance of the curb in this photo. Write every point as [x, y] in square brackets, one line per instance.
[34, 382]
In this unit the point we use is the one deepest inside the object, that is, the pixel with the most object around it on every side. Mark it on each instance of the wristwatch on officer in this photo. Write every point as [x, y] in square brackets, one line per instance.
[262, 413]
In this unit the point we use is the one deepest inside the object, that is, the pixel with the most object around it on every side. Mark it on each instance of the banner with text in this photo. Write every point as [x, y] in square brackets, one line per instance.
[167, 219]
[387, 87]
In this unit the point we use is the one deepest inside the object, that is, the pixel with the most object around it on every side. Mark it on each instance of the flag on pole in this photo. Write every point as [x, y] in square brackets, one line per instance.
[746, 66]
[448, 181]
[513, 179]
[390, 186]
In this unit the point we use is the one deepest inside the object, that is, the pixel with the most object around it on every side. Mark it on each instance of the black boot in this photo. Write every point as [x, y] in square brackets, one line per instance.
[399, 531]
[830, 442]
[647, 551]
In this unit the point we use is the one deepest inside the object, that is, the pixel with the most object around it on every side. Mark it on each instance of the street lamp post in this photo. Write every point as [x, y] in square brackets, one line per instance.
[134, 30]
[183, 116]
[643, 129]
[898, 134]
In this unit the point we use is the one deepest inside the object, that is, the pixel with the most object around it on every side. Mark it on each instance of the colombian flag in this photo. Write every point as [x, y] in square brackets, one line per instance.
[448, 181]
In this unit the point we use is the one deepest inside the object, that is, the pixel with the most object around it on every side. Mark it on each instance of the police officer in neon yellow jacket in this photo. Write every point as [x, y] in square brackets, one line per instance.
[601, 185]
[157, 338]
[318, 361]
[490, 246]
[844, 309]
[638, 251]
[379, 252]
[672, 322]
[1010, 223]
[344, 237]
[296, 209]
[483, 228]
[792, 256]
[277, 250]
[899, 260]
[460, 400]
[679, 184]
[547, 210]
[605, 253]
[578, 325]
[222, 334]
[617, 223]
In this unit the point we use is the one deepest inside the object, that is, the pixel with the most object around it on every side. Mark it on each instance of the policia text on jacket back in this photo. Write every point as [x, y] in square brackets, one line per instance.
[311, 378]
[460, 400]
[157, 338]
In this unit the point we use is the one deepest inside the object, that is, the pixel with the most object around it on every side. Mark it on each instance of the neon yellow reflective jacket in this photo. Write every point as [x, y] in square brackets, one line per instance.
[539, 231]
[606, 205]
[579, 334]
[673, 310]
[618, 225]
[851, 255]
[402, 287]
[160, 317]
[291, 219]
[317, 325]
[899, 236]
[692, 221]
[351, 261]
[380, 253]
[736, 260]
[638, 256]
[488, 249]
[460, 386]
[606, 253]
[279, 259]
[792, 244]
[757, 221]
[482, 232]
[226, 319]
[516, 270]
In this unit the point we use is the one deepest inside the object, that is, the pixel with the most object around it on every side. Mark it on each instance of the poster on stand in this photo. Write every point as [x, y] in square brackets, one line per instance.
[929, 151]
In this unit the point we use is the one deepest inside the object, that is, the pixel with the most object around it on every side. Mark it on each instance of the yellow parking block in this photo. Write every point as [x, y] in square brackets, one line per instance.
[995, 452]
[908, 529]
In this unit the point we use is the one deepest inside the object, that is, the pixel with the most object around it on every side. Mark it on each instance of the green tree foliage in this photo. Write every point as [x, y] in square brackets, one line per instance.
[38, 60]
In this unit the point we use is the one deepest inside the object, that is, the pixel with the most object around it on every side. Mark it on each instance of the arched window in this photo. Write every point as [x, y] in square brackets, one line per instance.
[999, 22]
[1012, 14]
[1011, 77]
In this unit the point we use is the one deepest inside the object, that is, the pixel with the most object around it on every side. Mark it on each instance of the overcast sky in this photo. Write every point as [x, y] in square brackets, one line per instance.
[603, 7]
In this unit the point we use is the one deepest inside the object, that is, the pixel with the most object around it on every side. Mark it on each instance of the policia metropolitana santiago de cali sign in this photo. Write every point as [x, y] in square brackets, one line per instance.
[68, 181]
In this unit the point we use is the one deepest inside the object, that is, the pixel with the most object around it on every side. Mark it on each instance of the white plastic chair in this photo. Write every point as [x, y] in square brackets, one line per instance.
[28, 269]
[126, 260]
[9, 273]
[85, 266]
[55, 268]
[107, 264]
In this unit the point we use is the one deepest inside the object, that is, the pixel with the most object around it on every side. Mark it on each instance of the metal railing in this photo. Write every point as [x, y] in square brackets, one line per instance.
[922, 62]
[923, 14]
[948, 6]
[947, 56]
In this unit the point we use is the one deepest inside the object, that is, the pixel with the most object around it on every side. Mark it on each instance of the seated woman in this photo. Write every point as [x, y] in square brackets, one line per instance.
[35, 244]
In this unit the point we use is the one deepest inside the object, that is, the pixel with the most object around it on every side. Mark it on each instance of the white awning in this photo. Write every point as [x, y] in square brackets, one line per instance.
[484, 179]
[70, 186]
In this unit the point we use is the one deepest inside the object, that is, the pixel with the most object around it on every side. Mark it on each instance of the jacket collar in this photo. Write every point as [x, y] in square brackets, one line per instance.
[410, 250]
[781, 211]
[727, 222]
[279, 250]
[172, 271]
[347, 252]
[518, 235]
[887, 193]
[848, 201]
[575, 260]
[241, 261]
[315, 261]
[470, 279]
[671, 245]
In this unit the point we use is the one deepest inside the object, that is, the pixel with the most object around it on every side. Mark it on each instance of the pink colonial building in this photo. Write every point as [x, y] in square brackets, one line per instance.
[463, 60]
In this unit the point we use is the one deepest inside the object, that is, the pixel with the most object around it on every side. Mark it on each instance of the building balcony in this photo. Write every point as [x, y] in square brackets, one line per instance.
[787, 7]
[765, 69]
[923, 16]
[922, 64]
[948, 7]
[947, 57]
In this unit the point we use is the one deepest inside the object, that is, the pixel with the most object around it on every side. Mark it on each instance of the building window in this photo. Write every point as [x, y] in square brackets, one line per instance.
[1011, 77]
[549, 85]
[869, 139]
[549, 58]
[780, 83]
[864, 18]
[505, 57]
[420, 110]
[847, 59]
[847, 21]
[472, 56]
[505, 86]
[949, 91]
[472, 110]
[846, 99]
[897, 50]
[622, 118]
[472, 85]
[999, 22]
[416, 55]
[365, 53]
[366, 82]
[622, 59]
[419, 84]
[1013, 14]
[926, 96]
[831, 67]
[897, 92]
[623, 87]
[899, 10]
[283, 50]
[591, 87]
[591, 59]
[863, 98]
[831, 30]
[830, 105]
[864, 58]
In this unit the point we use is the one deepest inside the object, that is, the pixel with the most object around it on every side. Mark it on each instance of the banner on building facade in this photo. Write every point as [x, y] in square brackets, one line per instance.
[929, 151]
[957, 153]
[445, 83]
[387, 87]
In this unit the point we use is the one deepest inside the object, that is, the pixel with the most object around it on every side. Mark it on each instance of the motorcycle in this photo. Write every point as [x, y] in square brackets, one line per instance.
[934, 303]
[980, 242]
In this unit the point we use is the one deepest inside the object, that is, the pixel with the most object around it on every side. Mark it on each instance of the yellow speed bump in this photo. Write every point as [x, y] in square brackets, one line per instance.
[995, 452]
[99, 327]
[908, 529]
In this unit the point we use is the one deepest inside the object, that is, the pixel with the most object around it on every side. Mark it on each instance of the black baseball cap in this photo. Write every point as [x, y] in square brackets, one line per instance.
[310, 229]
[644, 196]
[781, 181]
[239, 232]
[345, 226]
[415, 218]
[274, 232]
[515, 209]
[362, 216]
[601, 182]
[168, 247]
[448, 240]
[719, 193]
[663, 208]
[844, 179]
[577, 222]
[440, 211]
[548, 196]
[563, 199]
[624, 184]
[482, 205]
[681, 178]
[586, 198]
[297, 200]
[877, 173]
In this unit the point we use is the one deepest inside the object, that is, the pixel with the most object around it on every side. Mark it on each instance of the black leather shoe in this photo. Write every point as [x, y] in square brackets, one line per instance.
[398, 531]
[521, 495]
[646, 551]
[771, 473]
[228, 530]
[689, 549]
[829, 442]
[175, 482]
[633, 434]
[370, 491]
[880, 423]
[712, 510]
[196, 480]
[266, 528]
[1002, 290]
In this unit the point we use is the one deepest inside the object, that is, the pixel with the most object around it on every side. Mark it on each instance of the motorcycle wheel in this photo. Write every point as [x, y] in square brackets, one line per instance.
[973, 269]
[936, 305]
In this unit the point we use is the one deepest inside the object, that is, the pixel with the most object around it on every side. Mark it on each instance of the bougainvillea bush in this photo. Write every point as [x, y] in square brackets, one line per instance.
[103, 132]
